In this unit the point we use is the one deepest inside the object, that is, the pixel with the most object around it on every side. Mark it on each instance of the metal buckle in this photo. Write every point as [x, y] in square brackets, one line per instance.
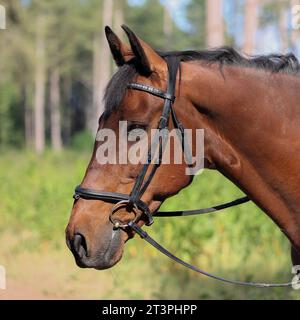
[76, 196]
[123, 204]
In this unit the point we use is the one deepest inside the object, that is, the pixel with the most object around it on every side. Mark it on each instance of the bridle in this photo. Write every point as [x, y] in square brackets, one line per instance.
[133, 201]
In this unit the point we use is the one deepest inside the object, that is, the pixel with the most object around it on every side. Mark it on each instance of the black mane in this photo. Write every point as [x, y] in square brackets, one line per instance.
[228, 56]
[274, 63]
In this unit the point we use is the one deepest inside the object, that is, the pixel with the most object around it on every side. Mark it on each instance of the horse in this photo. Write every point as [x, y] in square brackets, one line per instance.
[249, 109]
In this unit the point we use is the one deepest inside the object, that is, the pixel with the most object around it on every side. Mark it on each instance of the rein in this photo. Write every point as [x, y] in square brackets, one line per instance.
[133, 200]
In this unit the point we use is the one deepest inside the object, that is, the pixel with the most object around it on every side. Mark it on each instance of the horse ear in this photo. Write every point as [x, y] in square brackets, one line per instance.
[121, 52]
[147, 59]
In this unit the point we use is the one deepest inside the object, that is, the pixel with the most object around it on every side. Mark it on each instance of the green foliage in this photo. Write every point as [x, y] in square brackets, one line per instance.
[152, 10]
[83, 141]
[270, 11]
[238, 243]
[196, 17]
[37, 193]
[241, 243]
[145, 15]
[13, 75]
[7, 101]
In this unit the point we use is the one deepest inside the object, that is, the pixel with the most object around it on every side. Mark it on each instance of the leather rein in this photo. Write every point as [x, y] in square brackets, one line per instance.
[133, 201]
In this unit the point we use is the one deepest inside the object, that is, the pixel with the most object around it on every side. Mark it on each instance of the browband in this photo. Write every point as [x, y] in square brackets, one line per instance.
[151, 90]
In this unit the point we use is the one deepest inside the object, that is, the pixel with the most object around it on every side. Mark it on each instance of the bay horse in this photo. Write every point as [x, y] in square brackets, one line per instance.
[249, 110]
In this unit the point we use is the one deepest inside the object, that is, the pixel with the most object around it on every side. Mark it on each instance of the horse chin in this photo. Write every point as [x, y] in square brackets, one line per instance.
[101, 261]
[113, 254]
[103, 264]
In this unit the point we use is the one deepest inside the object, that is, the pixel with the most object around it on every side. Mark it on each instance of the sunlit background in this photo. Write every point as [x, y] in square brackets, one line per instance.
[54, 66]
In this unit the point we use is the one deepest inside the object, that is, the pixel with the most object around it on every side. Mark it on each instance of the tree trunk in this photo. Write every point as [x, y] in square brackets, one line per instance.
[91, 115]
[214, 23]
[118, 21]
[56, 141]
[107, 20]
[67, 123]
[28, 120]
[39, 95]
[2, 17]
[101, 68]
[283, 30]
[167, 27]
[119, 15]
[250, 26]
[295, 32]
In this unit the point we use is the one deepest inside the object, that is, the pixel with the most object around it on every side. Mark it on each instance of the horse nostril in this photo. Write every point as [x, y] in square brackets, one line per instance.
[79, 245]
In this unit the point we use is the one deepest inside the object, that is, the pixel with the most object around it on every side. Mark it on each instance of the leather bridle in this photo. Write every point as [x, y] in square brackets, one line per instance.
[133, 202]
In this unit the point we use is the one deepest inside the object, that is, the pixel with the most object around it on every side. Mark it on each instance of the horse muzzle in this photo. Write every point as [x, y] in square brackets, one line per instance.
[100, 254]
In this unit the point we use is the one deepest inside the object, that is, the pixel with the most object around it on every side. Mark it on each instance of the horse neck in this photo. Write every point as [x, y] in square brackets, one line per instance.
[250, 117]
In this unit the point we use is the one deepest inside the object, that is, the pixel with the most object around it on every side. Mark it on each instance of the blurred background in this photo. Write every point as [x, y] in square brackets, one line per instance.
[54, 66]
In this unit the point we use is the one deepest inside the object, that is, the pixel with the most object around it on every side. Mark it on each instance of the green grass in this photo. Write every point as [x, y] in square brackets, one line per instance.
[37, 191]
[240, 243]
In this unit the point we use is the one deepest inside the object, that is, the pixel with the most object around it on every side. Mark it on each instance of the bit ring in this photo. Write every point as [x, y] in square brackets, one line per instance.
[123, 204]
